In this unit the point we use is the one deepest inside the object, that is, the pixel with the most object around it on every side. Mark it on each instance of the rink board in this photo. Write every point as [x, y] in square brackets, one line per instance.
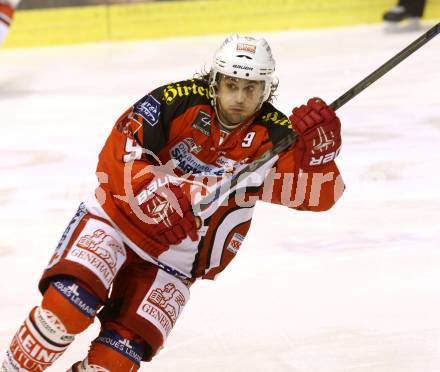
[189, 18]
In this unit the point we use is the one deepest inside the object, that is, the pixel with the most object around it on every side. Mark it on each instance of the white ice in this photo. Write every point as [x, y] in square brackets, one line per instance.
[355, 289]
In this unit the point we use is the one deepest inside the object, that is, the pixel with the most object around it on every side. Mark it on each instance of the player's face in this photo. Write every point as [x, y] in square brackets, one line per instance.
[237, 99]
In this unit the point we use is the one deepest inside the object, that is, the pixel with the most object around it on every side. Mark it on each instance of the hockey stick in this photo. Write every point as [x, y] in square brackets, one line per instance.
[339, 102]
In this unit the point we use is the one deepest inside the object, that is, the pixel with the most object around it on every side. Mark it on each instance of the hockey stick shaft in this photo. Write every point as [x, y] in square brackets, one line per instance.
[386, 67]
[339, 102]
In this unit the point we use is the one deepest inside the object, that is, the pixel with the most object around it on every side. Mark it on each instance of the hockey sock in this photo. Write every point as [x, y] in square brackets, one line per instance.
[75, 305]
[67, 309]
[40, 340]
[113, 351]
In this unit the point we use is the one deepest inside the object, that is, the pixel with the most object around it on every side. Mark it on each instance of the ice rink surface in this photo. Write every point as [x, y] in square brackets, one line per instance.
[355, 289]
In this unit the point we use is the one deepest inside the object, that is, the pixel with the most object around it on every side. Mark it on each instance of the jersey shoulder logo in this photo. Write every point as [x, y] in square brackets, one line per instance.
[193, 88]
[277, 118]
[149, 109]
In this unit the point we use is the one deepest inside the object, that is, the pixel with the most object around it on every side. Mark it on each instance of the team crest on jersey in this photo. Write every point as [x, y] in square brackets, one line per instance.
[149, 109]
[203, 123]
[128, 127]
[235, 243]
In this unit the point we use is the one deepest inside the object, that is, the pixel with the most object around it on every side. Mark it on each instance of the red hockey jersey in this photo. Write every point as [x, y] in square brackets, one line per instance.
[174, 129]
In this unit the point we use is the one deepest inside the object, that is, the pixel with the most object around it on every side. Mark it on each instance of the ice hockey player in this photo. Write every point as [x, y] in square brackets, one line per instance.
[138, 234]
[7, 9]
[407, 14]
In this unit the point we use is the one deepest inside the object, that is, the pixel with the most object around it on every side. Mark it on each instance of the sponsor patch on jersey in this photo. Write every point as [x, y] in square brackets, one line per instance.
[164, 302]
[277, 118]
[184, 89]
[99, 249]
[189, 163]
[235, 243]
[203, 123]
[192, 145]
[149, 109]
[184, 152]
[128, 348]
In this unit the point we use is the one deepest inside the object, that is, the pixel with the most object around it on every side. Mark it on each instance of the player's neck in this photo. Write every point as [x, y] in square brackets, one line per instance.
[223, 124]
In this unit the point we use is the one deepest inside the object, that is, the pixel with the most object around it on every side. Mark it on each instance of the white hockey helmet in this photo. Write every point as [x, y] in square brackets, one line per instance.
[244, 57]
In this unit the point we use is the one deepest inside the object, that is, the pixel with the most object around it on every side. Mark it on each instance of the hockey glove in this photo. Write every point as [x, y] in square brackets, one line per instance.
[319, 131]
[168, 211]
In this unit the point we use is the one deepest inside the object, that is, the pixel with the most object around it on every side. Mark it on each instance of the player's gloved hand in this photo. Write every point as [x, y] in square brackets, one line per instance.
[319, 131]
[168, 211]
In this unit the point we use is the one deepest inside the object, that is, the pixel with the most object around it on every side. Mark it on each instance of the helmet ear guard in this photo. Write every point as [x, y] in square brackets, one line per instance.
[247, 58]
